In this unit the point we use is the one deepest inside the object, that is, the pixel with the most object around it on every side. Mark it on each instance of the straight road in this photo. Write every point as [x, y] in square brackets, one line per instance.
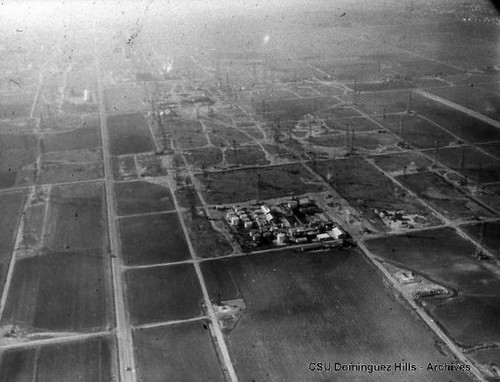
[126, 361]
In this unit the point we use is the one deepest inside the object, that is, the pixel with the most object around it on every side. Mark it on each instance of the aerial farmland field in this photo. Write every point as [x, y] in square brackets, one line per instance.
[142, 197]
[145, 240]
[180, 352]
[302, 308]
[237, 186]
[129, 134]
[90, 360]
[59, 291]
[163, 294]
[224, 191]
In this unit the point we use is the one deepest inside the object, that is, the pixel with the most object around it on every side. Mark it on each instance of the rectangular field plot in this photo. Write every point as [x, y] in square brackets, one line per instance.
[153, 239]
[292, 109]
[18, 152]
[142, 197]
[124, 168]
[124, 100]
[181, 352]
[11, 205]
[163, 294]
[372, 141]
[85, 137]
[246, 156]
[189, 134]
[71, 166]
[491, 148]
[474, 98]
[410, 161]
[486, 360]
[469, 320]
[265, 183]
[207, 241]
[204, 158]
[367, 189]
[417, 131]
[358, 124]
[88, 360]
[464, 126]
[442, 256]
[488, 233]
[443, 196]
[383, 102]
[62, 291]
[129, 134]
[470, 162]
[76, 218]
[317, 307]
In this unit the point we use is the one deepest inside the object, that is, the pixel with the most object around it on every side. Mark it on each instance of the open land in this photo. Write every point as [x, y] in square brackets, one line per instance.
[125, 142]
[328, 310]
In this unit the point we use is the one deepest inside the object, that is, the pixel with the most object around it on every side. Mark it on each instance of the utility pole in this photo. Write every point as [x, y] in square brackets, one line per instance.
[479, 253]
[352, 139]
[258, 187]
[436, 147]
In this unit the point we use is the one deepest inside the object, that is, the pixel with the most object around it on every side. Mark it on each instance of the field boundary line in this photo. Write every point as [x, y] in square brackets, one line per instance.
[216, 330]
[168, 323]
[55, 340]
[153, 213]
[17, 245]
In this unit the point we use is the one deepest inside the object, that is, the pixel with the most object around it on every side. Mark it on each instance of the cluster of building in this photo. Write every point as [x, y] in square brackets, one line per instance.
[297, 221]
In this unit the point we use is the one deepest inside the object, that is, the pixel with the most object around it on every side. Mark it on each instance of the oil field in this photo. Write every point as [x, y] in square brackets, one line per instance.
[303, 190]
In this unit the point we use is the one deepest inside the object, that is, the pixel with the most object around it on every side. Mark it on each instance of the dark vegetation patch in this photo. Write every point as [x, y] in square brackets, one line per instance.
[163, 294]
[152, 239]
[182, 352]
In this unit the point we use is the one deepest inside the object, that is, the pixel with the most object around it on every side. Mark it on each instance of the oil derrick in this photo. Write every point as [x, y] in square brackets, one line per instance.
[480, 253]
[461, 166]
[258, 185]
[217, 71]
[228, 83]
[352, 139]
[436, 147]
[235, 147]
[276, 129]
[329, 175]
[354, 92]
[408, 102]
